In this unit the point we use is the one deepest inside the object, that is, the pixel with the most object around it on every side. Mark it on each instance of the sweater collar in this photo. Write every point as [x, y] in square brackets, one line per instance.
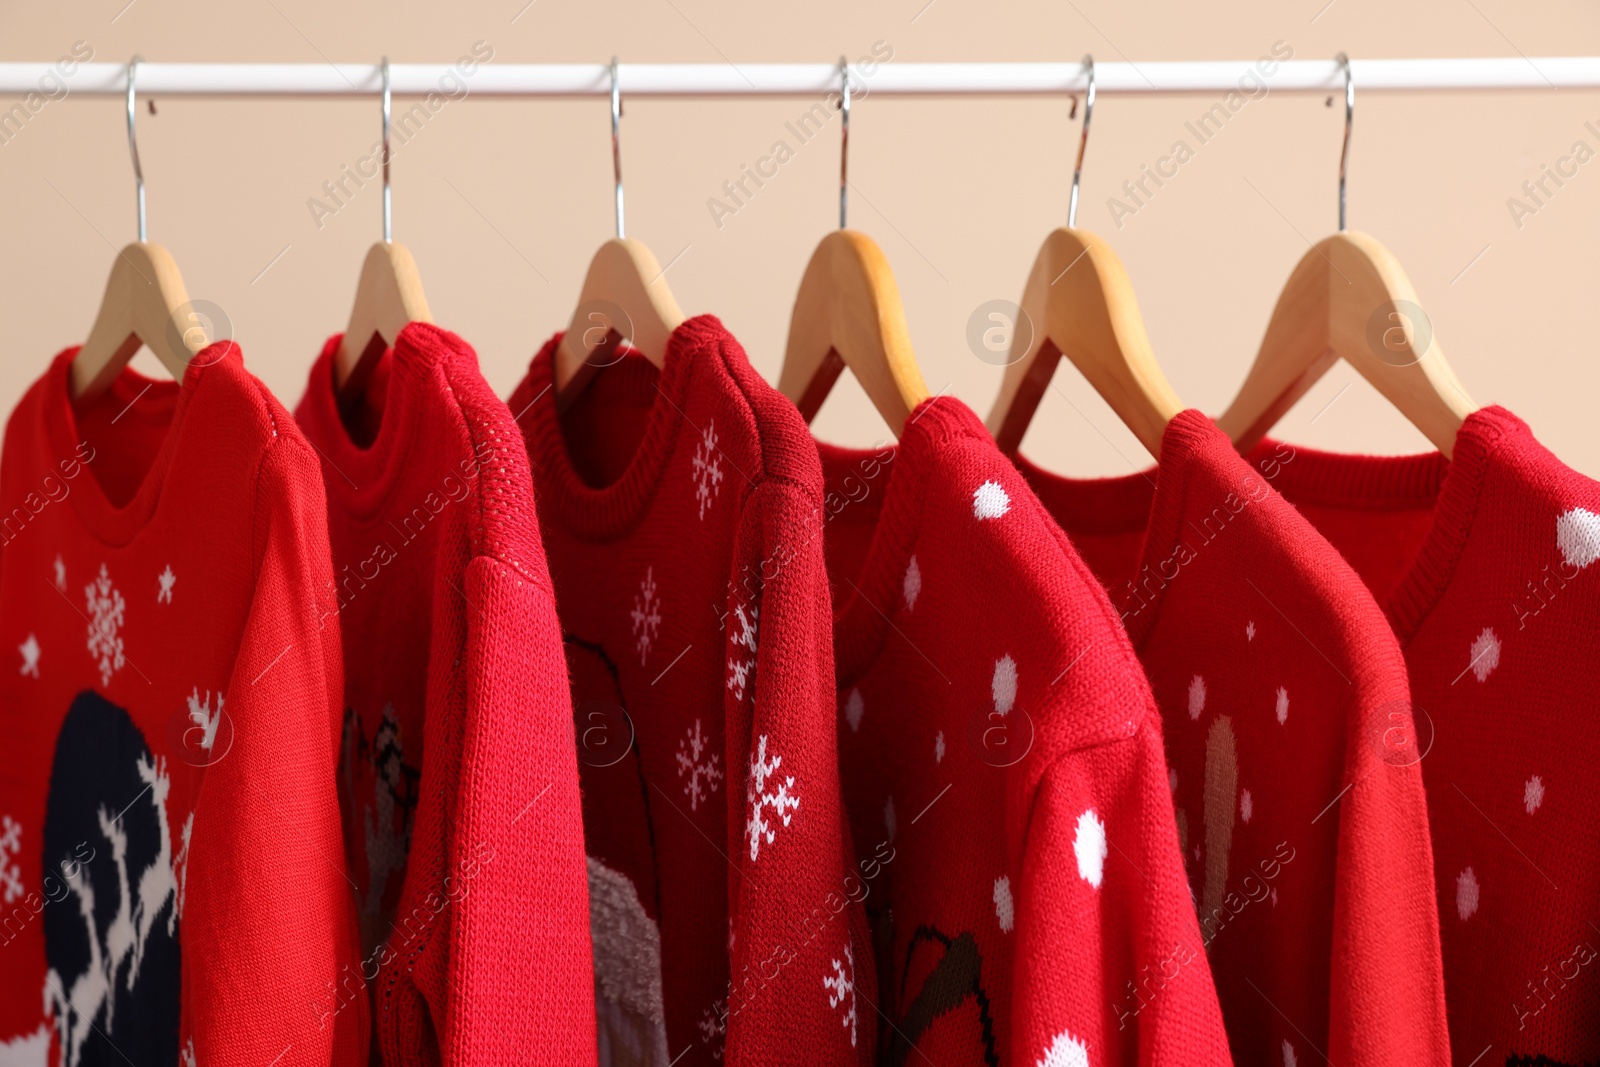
[1452, 488]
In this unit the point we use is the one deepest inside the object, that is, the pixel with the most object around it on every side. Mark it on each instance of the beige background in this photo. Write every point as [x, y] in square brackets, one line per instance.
[502, 202]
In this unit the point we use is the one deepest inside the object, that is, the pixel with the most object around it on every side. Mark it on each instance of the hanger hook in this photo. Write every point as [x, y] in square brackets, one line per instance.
[844, 140]
[133, 144]
[616, 141]
[1349, 119]
[1083, 142]
[388, 229]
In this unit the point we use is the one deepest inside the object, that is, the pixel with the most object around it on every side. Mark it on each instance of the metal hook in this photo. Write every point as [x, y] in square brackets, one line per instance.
[844, 141]
[1349, 119]
[133, 144]
[616, 143]
[1083, 142]
[388, 237]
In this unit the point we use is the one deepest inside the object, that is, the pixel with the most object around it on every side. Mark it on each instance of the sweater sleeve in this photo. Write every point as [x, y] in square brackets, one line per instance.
[803, 990]
[1387, 991]
[1110, 966]
[522, 975]
[270, 968]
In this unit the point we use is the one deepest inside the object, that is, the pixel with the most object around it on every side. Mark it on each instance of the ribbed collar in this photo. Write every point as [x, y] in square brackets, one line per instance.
[1452, 488]
[364, 476]
[138, 398]
[607, 512]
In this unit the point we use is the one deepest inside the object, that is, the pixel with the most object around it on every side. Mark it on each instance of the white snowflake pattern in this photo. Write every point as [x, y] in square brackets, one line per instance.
[1578, 536]
[1247, 806]
[30, 657]
[841, 986]
[1197, 696]
[1289, 1058]
[202, 716]
[1089, 845]
[938, 747]
[646, 615]
[61, 573]
[1283, 705]
[1065, 1051]
[912, 587]
[1533, 794]
[167, 579]
[714, 1027]
[10, 846]
[707, 468]
[742, 665]
[854, 709]
[1005, 909]
[187, 1054]
[105, 607]
[782, 802]
[1466, 894]
[1250, 630]
[699, 765]
[1485, 654]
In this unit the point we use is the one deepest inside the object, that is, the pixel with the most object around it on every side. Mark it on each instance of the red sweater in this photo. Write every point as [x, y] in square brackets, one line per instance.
[1485, 566]
[463, 826]
[1288, 732]
[171, 872]
[1004, 772]
[681, 511]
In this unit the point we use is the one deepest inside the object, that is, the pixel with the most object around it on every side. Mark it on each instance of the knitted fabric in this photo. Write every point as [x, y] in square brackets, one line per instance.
[171, 872]
[1004, 772]
[681, 514]
[1486, 567]
[1288, 733]
[463, 825]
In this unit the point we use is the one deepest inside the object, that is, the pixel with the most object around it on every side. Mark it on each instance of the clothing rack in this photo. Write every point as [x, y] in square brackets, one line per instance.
[803, 79]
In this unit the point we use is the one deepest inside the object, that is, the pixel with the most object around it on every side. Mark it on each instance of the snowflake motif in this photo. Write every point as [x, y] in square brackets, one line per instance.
[30, 657]
[202, 716]
[1485, 654]
[1283, 705]
[1065, 1051]
[105, 607]
[707, 468]
[61, 573]
[646, 615]
[1289, 1058]
[186, 1054]
[1533, 794]
[167, 579]
[938, 747]
[1250, 630]
[1005, 909]
[700, 765]
[714, 1027]
[1197, 696]
[781, 800]
[1247, 807]
[742, 667]
[841, 984]
[10, 845]
[1467, 892]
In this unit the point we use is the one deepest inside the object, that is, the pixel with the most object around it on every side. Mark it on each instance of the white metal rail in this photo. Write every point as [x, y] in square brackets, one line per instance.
[798, 79]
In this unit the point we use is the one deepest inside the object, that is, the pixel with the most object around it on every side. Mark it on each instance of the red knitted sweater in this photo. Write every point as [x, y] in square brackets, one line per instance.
[1288, 733]
[1485, 565]
[681, 512]
[459, 783]
[1004, 772]
[171, 873]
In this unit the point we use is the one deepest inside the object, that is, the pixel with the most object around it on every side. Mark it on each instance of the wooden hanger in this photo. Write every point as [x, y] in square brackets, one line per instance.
[848, 314]
[388, 294]
[624, 282]
[1080, 304]
[625, 296]
[145, 302]
[1349, 299]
